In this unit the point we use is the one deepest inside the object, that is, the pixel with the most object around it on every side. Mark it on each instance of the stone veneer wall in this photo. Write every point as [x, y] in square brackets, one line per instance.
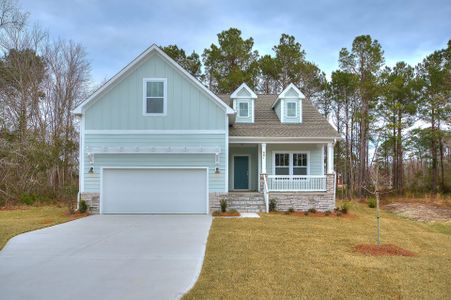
[92, 200]
[321, 201]
[252, 201]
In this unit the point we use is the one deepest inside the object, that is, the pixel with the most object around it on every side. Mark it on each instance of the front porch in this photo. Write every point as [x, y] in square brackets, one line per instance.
[296, 175]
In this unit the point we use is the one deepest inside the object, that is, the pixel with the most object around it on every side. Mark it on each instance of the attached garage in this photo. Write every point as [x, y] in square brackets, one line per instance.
[154, 190]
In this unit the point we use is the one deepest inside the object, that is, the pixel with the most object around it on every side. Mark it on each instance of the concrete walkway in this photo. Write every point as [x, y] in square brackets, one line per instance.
[106, 257]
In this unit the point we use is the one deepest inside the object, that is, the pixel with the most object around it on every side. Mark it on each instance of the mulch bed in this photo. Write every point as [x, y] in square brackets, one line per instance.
[226, 214]
[382, 250]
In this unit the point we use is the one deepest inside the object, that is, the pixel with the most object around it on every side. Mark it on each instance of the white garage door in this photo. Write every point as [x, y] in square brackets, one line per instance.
[141, 191]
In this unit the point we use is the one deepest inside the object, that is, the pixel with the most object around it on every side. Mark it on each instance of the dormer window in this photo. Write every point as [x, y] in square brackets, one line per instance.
[243, 103]
[292, 109]
[288, 105]
[243, 109]
[154, 96]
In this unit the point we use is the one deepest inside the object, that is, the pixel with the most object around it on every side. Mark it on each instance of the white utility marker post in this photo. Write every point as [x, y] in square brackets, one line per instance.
[330, 158]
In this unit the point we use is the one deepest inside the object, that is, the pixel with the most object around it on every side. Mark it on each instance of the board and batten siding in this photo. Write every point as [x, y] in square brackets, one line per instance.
[315, 157]
[216, 181]
[121, 106]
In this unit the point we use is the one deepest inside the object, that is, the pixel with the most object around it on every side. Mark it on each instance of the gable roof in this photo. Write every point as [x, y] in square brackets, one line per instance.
[267, 124]
[144, 55]
[244, 86]
[282, 95]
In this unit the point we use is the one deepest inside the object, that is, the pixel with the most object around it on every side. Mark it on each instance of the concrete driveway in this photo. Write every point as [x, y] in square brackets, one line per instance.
[106, 257]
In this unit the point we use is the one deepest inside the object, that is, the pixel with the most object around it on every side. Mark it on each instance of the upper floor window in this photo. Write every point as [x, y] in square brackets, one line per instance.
[243, 109]
[155, 96]
[292, 109]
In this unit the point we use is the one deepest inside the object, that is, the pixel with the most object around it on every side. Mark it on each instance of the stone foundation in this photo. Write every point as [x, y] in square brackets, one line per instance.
[321, 201]
[241, 201]
[92, 200]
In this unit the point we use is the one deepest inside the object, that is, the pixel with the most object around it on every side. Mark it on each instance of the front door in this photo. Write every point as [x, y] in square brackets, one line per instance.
[241, 172]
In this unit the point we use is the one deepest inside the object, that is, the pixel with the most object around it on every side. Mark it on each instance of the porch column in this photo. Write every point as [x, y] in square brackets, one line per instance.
[330, 158]
[263, 155]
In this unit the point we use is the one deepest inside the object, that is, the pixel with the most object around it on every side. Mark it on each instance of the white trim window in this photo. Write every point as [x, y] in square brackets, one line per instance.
[300, 166]
[282, 164]
[243, 109]
[292, 109]
[155, 96]
[291, 163]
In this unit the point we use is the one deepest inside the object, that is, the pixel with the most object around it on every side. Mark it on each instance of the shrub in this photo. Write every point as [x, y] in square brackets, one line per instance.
[233, 211]
[291, 210]
[272, 204]
[216, 213]
[371, 202]
[223, 204]
[312, 210]
[306, 213]
[345, 207]
[27, 199]
[82, 206]
[327, 212]
[338, 213]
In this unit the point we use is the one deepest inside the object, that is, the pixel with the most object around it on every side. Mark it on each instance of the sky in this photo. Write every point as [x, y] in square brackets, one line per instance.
[115, 32]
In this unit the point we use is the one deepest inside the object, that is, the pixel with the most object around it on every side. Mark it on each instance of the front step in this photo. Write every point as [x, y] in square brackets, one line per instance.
[246, 201]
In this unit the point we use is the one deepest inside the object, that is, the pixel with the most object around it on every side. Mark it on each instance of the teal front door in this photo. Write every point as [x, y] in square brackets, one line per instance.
[241, 172]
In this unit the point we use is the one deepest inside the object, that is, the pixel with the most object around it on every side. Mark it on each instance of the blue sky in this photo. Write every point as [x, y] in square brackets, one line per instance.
[114, 32]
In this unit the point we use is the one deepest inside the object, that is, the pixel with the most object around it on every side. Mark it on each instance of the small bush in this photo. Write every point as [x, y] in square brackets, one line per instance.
[338, 213]
[312, 210]
[371, 203]
[345, 207]
[327, 212]
[82, 206]
[223, 204]
[272, 204]
[27, 199]
[291, 210]
[306, 213]
[216, 213]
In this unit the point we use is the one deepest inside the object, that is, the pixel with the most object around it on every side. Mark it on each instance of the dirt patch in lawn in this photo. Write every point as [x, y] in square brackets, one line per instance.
[382, 250]
[420, 211]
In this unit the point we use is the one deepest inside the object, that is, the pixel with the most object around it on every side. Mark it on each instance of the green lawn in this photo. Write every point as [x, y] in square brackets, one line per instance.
[286, 257]
[16, 221]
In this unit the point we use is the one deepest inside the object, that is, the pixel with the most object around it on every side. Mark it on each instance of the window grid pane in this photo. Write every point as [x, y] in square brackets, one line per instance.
[300, 159]
[155, 89]
[244, 109]
[282, 160]
[291, 109]
[154, 105]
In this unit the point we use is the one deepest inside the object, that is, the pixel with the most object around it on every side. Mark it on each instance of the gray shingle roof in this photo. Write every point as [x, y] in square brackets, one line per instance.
[267, 124]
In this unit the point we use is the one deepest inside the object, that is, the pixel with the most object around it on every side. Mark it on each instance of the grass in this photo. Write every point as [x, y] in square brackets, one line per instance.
[285, 257]
[23, 219]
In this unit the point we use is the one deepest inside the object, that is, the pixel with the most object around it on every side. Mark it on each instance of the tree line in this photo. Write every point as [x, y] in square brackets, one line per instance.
[373, 106]
[41, 80]
[400, 114]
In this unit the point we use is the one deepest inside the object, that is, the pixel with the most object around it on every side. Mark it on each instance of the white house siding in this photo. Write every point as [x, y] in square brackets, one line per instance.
[216, 181]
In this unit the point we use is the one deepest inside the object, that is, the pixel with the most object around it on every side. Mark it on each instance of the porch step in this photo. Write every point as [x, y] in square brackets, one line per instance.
[246, 201]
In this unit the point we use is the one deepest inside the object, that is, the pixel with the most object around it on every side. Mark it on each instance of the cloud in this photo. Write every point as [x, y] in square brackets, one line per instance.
[114, 32]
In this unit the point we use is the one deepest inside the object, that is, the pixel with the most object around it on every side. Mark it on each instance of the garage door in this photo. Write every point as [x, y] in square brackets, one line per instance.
[141, 191]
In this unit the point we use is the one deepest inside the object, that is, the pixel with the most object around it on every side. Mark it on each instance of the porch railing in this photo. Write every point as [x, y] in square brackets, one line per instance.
[300, 183]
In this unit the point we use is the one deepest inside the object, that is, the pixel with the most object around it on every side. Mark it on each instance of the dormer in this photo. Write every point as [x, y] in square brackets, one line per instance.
[243, 103]
[288, 105]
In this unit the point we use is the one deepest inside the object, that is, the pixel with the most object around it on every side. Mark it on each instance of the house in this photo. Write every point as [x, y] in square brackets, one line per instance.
[153, 139]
